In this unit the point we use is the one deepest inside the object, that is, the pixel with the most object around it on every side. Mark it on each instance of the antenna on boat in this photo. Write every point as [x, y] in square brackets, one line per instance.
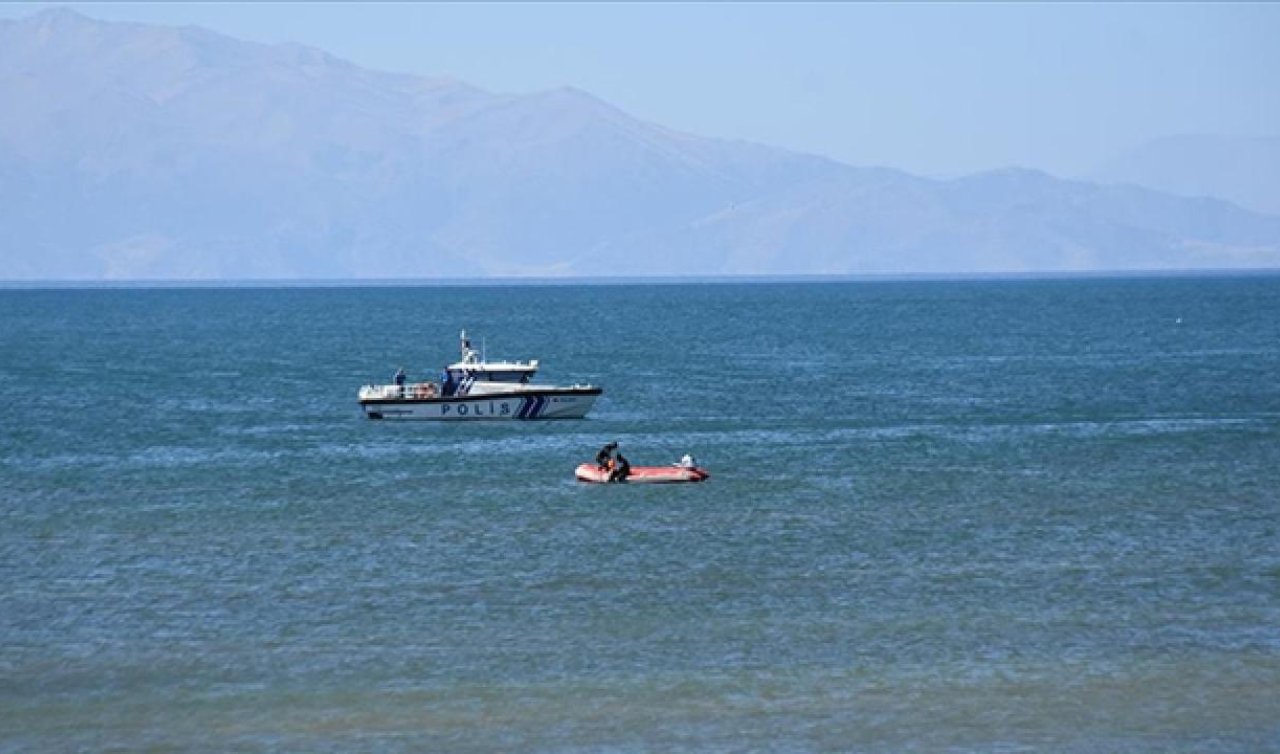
[468, 353]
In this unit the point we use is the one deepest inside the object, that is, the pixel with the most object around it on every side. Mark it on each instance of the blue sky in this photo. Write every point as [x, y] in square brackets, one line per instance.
[937, 89]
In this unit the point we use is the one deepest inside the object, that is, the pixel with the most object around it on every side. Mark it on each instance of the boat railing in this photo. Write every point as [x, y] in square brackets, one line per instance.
[408, 390]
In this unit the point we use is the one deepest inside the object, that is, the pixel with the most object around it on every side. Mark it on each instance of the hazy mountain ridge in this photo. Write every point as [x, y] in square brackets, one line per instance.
[982, 223]
[1242, 170]
[135, 151]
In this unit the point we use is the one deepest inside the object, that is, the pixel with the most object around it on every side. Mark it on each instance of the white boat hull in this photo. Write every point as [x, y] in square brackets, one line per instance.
[561, 403]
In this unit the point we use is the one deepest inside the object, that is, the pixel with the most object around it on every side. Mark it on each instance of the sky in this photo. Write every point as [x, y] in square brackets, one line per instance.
[937, 89]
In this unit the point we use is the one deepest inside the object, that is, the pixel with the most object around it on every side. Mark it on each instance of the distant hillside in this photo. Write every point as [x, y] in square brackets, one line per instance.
[144, 152]
[1245, 171]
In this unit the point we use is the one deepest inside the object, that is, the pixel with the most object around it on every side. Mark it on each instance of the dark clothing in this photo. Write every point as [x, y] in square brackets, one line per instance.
[606, 454]
[621, 468]
[400, 377]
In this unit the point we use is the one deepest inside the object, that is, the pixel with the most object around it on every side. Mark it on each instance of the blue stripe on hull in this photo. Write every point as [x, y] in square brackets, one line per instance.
[531, 407]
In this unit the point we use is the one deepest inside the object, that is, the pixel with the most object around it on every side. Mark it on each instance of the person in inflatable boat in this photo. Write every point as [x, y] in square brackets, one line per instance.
[604, 459]
[621, 468]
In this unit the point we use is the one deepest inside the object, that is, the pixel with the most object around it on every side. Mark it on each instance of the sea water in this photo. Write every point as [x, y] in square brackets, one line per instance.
[1019, 515]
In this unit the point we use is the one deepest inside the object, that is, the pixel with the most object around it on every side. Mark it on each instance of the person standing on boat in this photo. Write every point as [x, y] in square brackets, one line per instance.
[399, 380]
[446, 382]
[606, 455]
[621, 469]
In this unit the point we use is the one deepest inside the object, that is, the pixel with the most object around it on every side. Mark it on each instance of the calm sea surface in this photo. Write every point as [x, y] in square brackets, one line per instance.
[943, 516]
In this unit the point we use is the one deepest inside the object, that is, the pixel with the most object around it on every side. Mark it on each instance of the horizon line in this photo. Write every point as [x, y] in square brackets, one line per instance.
[523, 281]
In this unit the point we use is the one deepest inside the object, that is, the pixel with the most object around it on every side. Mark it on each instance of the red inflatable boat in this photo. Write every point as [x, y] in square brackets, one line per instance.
[589, 472]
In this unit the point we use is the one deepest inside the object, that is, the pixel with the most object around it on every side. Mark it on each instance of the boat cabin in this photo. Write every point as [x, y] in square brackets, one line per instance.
[473, 368]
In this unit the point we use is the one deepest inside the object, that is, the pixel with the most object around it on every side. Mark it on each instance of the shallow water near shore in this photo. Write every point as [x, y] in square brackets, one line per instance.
[943, 516]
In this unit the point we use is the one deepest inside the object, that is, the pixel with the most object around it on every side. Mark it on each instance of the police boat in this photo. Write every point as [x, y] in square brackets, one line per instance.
[476, 389]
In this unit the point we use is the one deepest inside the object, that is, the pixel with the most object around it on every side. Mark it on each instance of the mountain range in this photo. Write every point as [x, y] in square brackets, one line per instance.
[131, 151]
